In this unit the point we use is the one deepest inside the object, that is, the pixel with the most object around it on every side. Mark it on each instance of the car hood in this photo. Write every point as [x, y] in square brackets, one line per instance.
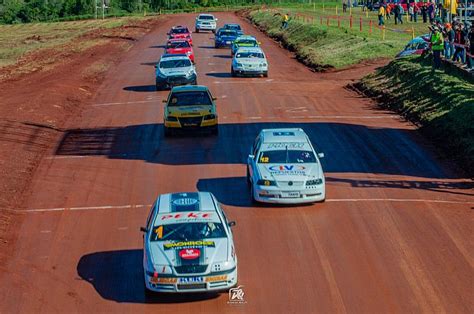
[176, 71]
[200, 252]
[189, 111]
[226, 37]
[289, 172]
[251, 61]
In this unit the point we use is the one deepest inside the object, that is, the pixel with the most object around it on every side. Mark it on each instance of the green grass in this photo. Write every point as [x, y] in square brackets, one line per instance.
[337, 45]
[19, 39]
[442, 102]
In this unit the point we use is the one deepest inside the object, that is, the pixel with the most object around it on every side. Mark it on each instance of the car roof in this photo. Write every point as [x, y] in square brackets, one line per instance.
[250, 49]
[189, 88]
[178, 56]
[232, 24]
[205, 14]
[186, 207]
[285, 135]
[179, 26]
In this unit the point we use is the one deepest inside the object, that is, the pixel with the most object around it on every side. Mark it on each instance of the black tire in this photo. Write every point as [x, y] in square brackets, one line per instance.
[216, 46]
[196, 30]
[252, 197]
[147, 292]
[249, 182]
[265, 74]
[232, 72]
[159, 87]
[195, 82]
[213, 31]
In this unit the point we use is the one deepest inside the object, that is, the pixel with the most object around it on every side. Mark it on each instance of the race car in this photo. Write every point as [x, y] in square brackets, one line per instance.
[283, 167]
[190, 108]
[188, 245]
[173, 70]
[179, 46]
[224, 38]
[417, 46]
[180, 32]
[244, 41]
[249, 61]
[235, 27]
[206, 22]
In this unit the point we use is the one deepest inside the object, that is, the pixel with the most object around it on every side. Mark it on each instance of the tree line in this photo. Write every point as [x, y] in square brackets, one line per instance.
[25, 11]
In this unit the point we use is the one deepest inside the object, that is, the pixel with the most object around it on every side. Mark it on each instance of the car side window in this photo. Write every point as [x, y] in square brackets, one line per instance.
[149, 220]
[256, 146]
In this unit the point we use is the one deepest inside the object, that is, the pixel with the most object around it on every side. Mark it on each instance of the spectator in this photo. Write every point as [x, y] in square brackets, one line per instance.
[397, 10]
[431, 12]
[448, 41]
[437, 46]
[424, 13]
[284, 21]
[416, 11]
[381, 15]
[411, 12]
[388, 11]
[460, 41]
[471, 48]
[344, 7]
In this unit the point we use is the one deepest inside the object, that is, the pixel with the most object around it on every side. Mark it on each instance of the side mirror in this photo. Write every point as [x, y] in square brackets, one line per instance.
[143, 229]
[231, 223]
[216, 19]
[251, 156]
[164, 101]
[321, 155]
[214, 98]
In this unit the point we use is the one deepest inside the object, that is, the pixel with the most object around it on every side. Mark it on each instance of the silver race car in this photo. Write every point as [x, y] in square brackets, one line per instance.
[283, 167]
[188, 245]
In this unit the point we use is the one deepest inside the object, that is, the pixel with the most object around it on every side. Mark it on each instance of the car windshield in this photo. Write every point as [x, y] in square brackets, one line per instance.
[190, 99]
[188, 231]
[286, 156]
[169, 64]
[179, 31]
[206, 17]
[236, 27]
[178, 44]
[227, 32]
[247, 42]
[252, 55]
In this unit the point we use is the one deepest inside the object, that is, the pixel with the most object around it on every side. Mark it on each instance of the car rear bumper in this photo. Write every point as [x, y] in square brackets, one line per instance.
[207, 283]
[175, 81]
[277, 196]
[203, 124]
[248, 72]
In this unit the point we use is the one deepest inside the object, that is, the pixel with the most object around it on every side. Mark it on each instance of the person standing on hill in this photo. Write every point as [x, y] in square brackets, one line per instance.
[471, 48]
[388, 11]
[284, 21]
[437, 46]
[396, 12]
[381, 15]
[424, 13]
[448, 41]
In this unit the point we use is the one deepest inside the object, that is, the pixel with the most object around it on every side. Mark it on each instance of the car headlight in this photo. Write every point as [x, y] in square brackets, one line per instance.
[209, 117]
[159, 269]
[239, 65]
[171, 119]
[160, 74]
[222, 266]
[266, 182]
[190, 73]
[314, 182]
[263, 64]
[188, 53]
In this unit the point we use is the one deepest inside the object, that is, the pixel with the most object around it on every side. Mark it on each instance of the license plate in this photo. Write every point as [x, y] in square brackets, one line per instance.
[191, 280]
[190, 124]
[290, 194]
[227, 42]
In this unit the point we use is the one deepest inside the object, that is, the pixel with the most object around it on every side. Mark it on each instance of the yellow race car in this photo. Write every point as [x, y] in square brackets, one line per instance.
[190, 107]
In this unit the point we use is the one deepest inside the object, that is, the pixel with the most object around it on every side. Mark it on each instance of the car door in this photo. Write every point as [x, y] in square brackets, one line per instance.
[251, 160]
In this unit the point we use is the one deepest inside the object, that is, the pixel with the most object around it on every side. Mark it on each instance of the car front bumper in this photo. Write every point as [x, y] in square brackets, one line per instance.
[199, 123]
[204, 27]
[251, 71]
[223, 43]
[276, 195]
[170, 81]
[201, 283]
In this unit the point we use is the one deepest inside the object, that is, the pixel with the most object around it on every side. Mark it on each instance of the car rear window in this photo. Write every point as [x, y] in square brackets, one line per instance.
[247, 42]
[169, 64]
[188, 232]
[236, 27]
[178, 44]
[206, 17]
[190, 99]
[227, 32]
[179, 31]
[286, 156]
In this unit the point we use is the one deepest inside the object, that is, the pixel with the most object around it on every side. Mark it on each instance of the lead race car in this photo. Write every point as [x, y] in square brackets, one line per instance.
[283, 167]
[188, 245]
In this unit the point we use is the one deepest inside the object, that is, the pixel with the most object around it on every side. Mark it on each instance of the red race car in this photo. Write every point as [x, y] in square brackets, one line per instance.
[180, 32]
[179, 46]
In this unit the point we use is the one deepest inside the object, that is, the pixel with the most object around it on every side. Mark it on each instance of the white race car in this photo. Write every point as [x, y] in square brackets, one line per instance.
[188, 245]
[283, 167]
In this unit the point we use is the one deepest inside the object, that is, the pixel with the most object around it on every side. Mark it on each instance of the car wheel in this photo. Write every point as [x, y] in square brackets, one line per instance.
[249, 182]
[196, 30]
[148, 293]
[159, 87]
[166, 131]
[232, 72]
[213, 31]
[265, 74]
[252, 196]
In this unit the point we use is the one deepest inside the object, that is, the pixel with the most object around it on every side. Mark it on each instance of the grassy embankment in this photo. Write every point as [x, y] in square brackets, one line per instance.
[441, 102]
[321, 46]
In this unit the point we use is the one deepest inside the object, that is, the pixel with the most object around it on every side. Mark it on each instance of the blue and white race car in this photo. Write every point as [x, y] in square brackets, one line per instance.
[283, 167]
[224, 37]
[188, 245]
[249, 61]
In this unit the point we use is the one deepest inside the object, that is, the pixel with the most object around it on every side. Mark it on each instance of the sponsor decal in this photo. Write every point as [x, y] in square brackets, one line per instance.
[285, 168]
[189, 244]
[216, 278]
[191, 280]
[284, 145]
[163, 280]
[187, 216]
[185, 201]
[236, 296]
[189, 253]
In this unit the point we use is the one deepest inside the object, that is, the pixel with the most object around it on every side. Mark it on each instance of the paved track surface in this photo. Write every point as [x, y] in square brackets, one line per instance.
[394, 235]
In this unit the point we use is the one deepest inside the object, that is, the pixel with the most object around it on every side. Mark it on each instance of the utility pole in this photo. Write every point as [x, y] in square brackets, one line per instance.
[103, 9]
[95, 9]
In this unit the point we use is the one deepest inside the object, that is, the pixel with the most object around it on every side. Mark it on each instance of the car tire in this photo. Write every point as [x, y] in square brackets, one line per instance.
[166, 131]
[195, 82]
[196, 30]
[159, 87]
[252, 196]
[265, 74]
[249, 182]
[213, 31]
[232, 72]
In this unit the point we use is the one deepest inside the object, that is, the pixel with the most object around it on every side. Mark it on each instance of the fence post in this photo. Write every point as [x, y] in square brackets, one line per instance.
[412, 32]
[327, 21]
[321, 20]
[383, 32]
[360, 24]
[350, 22]
[338, 21]
[350, 10]
[370, 27]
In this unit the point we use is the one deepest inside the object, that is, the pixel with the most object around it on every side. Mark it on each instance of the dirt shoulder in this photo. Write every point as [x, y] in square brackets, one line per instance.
[43, 92]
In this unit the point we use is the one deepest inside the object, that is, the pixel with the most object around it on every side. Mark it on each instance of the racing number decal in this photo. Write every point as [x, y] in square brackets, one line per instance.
[264, 159]
[159, 232]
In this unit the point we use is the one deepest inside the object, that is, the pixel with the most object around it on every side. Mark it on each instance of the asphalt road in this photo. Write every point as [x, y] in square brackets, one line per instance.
[395, 234]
